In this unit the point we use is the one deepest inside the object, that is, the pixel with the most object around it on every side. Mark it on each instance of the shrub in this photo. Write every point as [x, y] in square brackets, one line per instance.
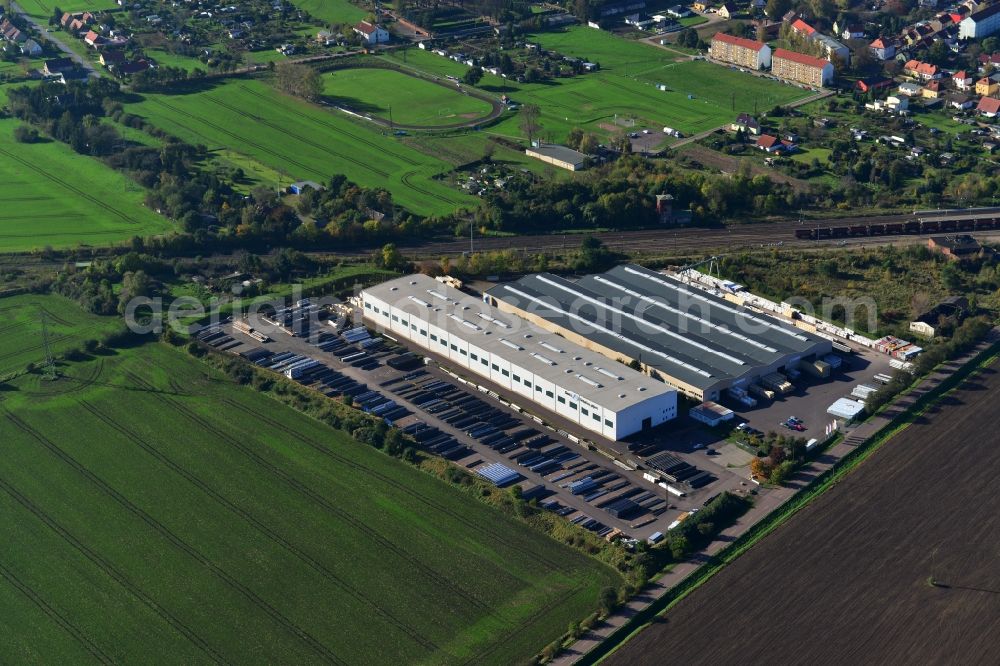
[25, 134]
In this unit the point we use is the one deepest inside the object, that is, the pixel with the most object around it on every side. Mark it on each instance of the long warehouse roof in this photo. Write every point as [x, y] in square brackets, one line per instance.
[691, 335]
[591, 375]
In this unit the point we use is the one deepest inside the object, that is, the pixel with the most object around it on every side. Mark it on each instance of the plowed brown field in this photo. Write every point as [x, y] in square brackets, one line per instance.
[846, 580]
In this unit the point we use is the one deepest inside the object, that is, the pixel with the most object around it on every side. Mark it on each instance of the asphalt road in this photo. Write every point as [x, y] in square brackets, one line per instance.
[55, 39]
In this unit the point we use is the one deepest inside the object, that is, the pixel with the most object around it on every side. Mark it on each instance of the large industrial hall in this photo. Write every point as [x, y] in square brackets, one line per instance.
[696, 341]
[580, 385]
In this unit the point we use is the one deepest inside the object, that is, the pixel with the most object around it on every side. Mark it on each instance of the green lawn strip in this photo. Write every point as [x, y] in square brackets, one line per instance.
[186, 484]
[783, 513]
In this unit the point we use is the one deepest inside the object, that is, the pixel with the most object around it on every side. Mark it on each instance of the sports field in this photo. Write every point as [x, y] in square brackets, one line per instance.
[699, 95]
[407, 99]
[21, 328]
[153, 511]
[303, 141]
[56, 197]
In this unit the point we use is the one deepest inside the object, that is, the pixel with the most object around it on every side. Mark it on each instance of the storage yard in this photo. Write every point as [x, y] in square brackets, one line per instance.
[695, 340]
[867, 552]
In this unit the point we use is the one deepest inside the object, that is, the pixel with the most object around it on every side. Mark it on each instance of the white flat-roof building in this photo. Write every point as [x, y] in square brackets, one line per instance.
[579, 385]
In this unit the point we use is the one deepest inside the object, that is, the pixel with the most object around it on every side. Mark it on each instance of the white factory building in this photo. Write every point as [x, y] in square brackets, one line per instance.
[541, 367]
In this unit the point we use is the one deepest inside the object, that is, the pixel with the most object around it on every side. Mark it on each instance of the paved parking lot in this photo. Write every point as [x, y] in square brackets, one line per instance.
[812, 397]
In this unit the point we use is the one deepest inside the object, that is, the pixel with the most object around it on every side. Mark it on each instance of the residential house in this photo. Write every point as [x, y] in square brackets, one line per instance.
[959, 101]
[987, 87]
[868, 85]
[92, 39]
[987, 60]
[700, 6]
[892, 104]
[801, 68]
[746, 123]
[740, 51]
[802, 28]
[883, 48]
[31, 48]
[832, 48]
[896, 104]
[982, 23]
[989, 107]
[769, 143]
[12, 34]
[82, 19]
[109, 57]
[931, 90]
[961, 81]
[849, 31]
[372, 33]
[326, 38]
[133, 67]
[679, 11]
[57, 66]
[909, 89]
[924, 71]
[727, 10]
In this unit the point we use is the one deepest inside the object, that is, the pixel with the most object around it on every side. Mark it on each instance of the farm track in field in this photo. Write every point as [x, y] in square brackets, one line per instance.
[54, 615]
[262, 528]
[419, 497]
[286, 131]
[23, 350]
[98, 561]
[331, 126]
[161, 529]
[305, 167]
[407, 179]
[66, 185]
[314, 496]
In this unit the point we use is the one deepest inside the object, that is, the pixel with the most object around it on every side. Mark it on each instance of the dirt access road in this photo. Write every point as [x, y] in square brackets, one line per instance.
[846, 580]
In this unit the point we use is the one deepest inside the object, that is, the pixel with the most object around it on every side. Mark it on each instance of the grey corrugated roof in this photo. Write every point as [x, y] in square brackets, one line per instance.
[686, 333]
[561, 153]
[582, 371]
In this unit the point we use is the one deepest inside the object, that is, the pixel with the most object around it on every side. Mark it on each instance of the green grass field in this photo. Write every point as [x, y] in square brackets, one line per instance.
[332, 11]
[21, 328]
[303, 141]
[167, 59]
[411, 101]
[52, 196]
[43, 9]
[152, 511]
